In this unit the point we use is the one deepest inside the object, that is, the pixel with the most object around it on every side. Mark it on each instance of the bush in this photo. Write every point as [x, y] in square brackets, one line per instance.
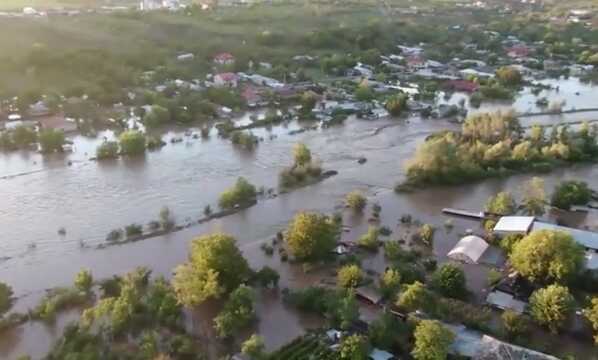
[114, 235]
[356, 201]
[449, 280]
[51, 140]
[132, 142]
[570, 193]
[426, 234]
[133, 230]
[84, 280]
[57, 300]
[370, 239]
[107, 150]
[242, 193]
[349, 276]
[514, 324]
[246, 140]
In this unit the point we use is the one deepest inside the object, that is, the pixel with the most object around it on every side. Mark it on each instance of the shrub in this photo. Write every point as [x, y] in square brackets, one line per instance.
[51, 140]
[449, 280]
[84, 280]
[133, 230]
[426, 234]
[356, 201]
[242, 193]
[5, 298]
[370, 239]
[132, 142]
[107, 150]
[571, 193]
[350, 276]
[514, 324]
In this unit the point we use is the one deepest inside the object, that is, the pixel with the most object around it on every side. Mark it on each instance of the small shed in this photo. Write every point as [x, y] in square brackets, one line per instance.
[503, 300]
[368, 294]
[469, 249]
[514, 225]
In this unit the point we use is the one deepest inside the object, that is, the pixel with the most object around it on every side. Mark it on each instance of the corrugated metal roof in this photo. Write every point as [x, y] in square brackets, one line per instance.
[514, 224]
[587, 239]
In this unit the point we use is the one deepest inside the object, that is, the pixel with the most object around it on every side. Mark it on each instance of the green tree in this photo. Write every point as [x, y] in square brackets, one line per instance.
[237, 313]
[515, 325]
[551, 306]
[591, 313]
[414, 297]
[501, 204]
[166, 219]
[449, 280]
[301, 154]
[364, 92]
[344, 309]
[426, 234]
[356, 201]
[570, 193]
[157, 116]
[383, 331]
[390, 282]
[254, 347]
[132, 142]
[432, 341]
[107, 150]
[397, 104]
[23, 136]
[84, 280]
[243, 192]
[311, 236]
[534, 196]
[509, 76]
[5, 298]
[349, 276]
[546, 255]
[308, 102]
[51, 140]
[354, 347]
[268, 277]
[215, 266]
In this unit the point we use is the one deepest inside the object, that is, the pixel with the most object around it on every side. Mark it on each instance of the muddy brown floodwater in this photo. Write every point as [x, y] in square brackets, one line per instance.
[42, 194]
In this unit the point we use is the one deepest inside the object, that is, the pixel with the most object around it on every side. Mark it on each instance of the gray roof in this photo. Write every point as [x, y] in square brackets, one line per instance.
[493, 349]
[587, 239]
[503, 300]
[514, 224]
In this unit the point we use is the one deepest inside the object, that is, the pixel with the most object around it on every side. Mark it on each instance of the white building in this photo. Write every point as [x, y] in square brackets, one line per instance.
[469, 249]
[514, 225]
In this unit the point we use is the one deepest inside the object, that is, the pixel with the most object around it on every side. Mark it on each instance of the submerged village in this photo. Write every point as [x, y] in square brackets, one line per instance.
[300, 180]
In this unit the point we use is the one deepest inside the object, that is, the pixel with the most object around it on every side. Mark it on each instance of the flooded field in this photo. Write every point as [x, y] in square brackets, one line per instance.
[42, 194]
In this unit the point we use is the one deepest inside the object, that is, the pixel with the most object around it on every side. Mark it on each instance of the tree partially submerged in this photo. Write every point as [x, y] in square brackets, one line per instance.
[432, 341]
[311, 236]
[551, 306]
[215, 267]
[544, 256]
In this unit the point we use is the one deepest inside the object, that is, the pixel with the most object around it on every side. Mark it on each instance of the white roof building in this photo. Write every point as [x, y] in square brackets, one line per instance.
[591, 260]
[514, 224]
[469, 249]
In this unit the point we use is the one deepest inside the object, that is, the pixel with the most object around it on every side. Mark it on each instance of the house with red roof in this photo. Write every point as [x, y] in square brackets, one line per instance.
[227, 79]
[462, 85]
[224, 59]
[518, 51]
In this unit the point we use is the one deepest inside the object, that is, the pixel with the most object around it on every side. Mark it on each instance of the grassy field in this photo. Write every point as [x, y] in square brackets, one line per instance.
[56, 4]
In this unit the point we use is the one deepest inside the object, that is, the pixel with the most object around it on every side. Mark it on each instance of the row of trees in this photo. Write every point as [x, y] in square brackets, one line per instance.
[493, 144]
[21, 137]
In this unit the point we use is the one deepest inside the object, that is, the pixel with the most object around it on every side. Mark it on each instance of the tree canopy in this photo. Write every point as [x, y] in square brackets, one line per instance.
[547, 255]
[449, 280]
[551, 306]
[5, 298]
[432, 341]
[243, 192]
[132, 142]
[311, 236]
[354, 347]
[570, 193]
[591, 313]
[237, 313]
[501, 204]
[215, 267]
[350, 276]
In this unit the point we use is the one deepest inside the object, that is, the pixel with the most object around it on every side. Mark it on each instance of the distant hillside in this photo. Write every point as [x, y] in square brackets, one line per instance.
[9, 5]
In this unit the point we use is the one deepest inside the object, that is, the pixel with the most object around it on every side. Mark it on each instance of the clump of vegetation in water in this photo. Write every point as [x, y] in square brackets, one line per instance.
[245, 140]
[495, 144]
[242, 193]
[107, 150]
[570, 193]
[304, 168]
[356, 201]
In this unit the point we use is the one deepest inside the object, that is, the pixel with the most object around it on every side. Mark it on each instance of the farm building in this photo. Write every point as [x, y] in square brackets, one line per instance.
[469, 249]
